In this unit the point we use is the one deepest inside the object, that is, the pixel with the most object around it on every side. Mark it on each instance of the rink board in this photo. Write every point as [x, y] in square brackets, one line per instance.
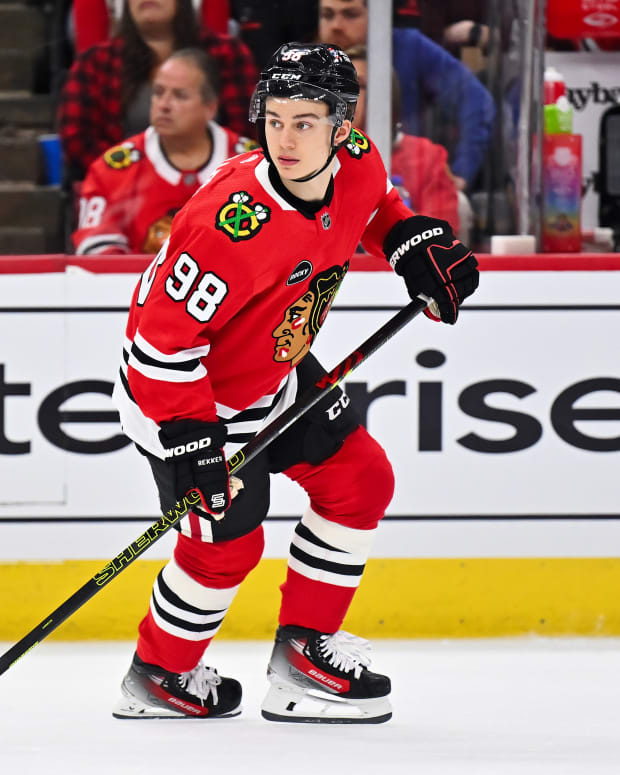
[503, 431]
[398, 598]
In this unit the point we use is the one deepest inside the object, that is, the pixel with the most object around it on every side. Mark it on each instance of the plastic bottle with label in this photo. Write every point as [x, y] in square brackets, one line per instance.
[561, 167]
[555, 85]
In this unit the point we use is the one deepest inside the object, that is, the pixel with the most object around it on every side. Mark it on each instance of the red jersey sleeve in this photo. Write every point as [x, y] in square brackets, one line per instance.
[101, 215]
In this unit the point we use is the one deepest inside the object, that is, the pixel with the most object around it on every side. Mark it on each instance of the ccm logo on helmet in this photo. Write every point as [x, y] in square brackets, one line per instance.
[412, 242]
[286, 76]
[191, 446]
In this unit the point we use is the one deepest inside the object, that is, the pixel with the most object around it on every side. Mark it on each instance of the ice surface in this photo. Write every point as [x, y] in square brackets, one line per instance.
[481, 707]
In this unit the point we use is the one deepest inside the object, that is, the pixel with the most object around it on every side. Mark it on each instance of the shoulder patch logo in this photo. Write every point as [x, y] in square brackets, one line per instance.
[244, 144]
[122, 156]
[357, 144]
[303, 270]
[239, 218]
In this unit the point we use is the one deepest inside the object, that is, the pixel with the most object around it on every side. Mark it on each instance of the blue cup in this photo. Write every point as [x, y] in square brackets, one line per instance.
[52, 159]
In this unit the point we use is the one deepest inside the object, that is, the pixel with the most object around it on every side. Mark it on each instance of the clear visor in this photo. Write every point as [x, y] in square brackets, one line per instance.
[282, 91]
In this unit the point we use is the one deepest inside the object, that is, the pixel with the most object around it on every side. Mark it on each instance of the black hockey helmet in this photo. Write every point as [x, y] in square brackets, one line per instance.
[314, 71]
[308, 71]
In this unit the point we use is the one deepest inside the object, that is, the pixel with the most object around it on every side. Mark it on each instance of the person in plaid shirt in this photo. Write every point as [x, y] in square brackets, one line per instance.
[106, 95]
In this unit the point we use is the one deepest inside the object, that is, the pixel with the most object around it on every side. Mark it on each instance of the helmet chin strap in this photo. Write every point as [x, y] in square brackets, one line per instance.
[334, 149]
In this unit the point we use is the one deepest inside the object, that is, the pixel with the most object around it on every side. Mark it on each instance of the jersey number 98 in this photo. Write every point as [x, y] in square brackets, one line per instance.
[206, 296]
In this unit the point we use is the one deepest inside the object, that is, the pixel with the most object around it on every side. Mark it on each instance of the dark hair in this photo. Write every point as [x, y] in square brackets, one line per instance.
[210, 89]
[138, 59]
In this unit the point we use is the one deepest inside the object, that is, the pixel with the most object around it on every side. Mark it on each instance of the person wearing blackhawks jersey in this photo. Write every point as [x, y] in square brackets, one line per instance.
[132, 192]
[218, 344]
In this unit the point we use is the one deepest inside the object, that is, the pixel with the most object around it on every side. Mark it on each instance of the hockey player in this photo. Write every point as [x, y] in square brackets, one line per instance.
[218, 344]
[132, 191]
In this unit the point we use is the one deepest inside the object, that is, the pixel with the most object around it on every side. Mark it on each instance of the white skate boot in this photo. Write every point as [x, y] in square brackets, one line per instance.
[321, 678]
[152, 692]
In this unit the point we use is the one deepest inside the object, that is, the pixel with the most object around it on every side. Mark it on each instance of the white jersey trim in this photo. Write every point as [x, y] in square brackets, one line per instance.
[262, 175]
[218, 154]
[179, 357]
[99, 242]
[172, 175]
[145, 432]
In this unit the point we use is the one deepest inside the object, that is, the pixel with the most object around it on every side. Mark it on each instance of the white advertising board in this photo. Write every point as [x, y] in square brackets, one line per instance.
[514, 411]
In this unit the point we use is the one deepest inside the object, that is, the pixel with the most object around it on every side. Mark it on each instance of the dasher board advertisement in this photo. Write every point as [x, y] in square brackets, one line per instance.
[513, 411]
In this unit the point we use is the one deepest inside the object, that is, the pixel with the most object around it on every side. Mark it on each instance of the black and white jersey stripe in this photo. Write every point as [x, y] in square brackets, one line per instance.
[182, 366]
[186, 366]
[327, 552]
[243, 426]
[100, 242]
[190, 613]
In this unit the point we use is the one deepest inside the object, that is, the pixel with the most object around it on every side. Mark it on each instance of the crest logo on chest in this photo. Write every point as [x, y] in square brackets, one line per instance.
[122, 156]
[240, 218]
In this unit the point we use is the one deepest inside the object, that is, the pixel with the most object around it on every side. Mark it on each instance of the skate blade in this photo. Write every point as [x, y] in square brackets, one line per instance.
[283, 703]
[134, 709]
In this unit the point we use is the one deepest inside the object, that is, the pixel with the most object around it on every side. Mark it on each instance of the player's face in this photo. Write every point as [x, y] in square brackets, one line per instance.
[359, 120]
[298, 136]
[343, 22]
[177, 105]
[293, 334]
[147, 13]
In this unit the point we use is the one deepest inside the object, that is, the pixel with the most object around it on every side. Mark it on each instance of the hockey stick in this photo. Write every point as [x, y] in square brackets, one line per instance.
[235, 463]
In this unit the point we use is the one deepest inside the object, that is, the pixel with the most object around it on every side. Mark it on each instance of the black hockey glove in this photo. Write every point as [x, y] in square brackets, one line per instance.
[425, 252]
[194, 448]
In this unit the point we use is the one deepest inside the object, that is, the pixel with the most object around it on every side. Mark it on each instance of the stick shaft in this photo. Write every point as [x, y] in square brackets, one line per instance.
[259, 443]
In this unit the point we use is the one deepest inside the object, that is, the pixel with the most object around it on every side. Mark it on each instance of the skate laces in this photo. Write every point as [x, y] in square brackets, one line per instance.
[201, 681]
[345, 652]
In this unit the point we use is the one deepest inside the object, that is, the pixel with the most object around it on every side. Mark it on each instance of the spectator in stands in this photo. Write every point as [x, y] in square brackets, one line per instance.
[419, 167]
[94, 20]
[133, 190]
[455, 23]
[106, 95]
[424, 70]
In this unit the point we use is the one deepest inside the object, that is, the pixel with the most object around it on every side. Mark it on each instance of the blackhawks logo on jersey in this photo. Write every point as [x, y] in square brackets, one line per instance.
[357, 144]
[239, 218]
[244, 144]
[303, 319]
[121, 156]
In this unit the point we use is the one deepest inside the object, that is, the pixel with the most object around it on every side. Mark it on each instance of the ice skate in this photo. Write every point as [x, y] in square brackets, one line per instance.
[321, 678]
[150, 691]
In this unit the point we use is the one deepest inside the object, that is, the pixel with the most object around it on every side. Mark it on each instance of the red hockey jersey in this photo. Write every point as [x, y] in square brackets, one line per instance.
[235, 298]
[132, 192]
